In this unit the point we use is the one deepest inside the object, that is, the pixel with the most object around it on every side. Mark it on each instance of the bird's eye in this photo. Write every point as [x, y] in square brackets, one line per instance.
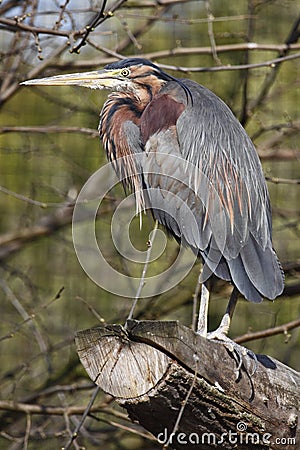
[125, 72]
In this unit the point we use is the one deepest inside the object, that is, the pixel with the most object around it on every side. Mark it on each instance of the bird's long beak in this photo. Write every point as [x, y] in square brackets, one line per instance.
[98, 79]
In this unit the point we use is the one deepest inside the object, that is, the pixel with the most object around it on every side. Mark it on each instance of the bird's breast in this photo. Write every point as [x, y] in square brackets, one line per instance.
[160, 114]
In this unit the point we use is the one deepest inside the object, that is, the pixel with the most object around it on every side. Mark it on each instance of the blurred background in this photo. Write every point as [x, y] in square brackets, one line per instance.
[49, 147]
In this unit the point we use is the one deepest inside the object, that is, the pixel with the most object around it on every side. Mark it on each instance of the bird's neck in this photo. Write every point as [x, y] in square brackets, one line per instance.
[119, 108]
[116, 110]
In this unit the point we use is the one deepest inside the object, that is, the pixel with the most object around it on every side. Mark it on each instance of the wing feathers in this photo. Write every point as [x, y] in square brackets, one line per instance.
[205, 165]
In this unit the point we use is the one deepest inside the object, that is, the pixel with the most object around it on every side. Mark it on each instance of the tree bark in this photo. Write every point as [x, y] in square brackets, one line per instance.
[190, 391]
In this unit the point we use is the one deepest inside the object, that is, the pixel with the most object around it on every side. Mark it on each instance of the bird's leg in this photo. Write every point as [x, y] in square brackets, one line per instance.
[203, 310]
[220, 334]
[222, 331]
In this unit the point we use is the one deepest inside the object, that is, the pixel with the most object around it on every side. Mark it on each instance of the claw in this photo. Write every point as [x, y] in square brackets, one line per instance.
[240, 354]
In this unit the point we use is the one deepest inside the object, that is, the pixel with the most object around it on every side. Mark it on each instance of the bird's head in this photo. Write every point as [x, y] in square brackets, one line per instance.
[128, 75]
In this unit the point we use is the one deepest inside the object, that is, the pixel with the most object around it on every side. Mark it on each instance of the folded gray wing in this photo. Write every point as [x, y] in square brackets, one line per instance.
[204, 182]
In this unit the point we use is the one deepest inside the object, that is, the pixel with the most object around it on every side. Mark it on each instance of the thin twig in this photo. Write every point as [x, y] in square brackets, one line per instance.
[32, 316]
[67, 419]
[100, 17]
[142, 29]
[210, 29]
[23, 198]
[47, 225]
[195, 301]
[91, 309]
[61, 14]
[185, 20]
[33, 73]
[87, 411]
[54, 390]
[182, 408]
[286, 127]
[90, 27]
[144, 434]
[142, 280]
[245, 74]
[276, 180]
[27, 432]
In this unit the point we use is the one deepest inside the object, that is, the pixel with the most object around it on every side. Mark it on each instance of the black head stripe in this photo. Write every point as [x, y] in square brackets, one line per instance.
[130, 62]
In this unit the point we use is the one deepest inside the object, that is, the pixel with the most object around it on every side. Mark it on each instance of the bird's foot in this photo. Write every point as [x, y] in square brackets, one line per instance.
[240, 354]
[220, 334]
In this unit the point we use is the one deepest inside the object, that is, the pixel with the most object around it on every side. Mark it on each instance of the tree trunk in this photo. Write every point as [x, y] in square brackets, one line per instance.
[190, 391]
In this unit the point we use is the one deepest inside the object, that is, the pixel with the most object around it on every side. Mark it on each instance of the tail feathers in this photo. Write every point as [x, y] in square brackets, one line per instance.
[241, 280]
[263, 269]
[255, 272]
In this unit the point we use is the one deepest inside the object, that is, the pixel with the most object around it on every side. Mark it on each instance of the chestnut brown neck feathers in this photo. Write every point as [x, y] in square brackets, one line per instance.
[119, 108]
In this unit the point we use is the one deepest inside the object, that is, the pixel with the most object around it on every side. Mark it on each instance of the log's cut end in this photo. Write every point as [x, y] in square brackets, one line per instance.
[121, 367]
[179, 385]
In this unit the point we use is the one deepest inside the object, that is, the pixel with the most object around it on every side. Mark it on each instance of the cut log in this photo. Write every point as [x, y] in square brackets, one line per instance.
[189, 391]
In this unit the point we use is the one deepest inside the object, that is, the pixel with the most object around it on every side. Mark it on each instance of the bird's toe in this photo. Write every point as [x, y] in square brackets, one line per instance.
[244, 358]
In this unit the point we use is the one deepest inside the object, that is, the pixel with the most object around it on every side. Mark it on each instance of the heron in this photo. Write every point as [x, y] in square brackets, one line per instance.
[161, 125]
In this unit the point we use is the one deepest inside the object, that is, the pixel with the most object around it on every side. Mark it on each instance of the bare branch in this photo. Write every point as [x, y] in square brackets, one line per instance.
[276, 180]
[29, 408]
[269, 63]
[177, 51]
[14, 25]
[280, 154]
[51, 130]
[281, 329]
